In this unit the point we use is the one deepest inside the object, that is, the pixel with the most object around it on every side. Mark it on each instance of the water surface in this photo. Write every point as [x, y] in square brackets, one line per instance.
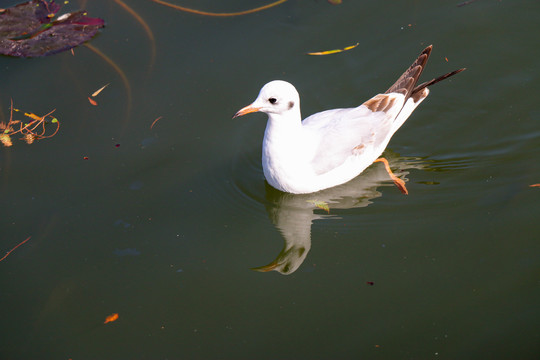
[165, 225]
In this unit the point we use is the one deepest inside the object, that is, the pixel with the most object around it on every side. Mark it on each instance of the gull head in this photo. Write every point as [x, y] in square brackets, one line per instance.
[277, 97]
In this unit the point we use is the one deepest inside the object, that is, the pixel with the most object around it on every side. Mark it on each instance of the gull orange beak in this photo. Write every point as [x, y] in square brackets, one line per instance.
[248, 109]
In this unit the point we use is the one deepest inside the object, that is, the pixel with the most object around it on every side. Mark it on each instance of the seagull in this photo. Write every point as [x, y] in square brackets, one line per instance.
[332, 147]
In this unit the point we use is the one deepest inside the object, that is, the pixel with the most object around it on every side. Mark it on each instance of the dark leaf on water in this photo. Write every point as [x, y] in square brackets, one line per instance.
[31, 29]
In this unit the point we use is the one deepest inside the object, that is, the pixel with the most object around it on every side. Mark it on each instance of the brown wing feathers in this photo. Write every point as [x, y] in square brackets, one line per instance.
[406, 84]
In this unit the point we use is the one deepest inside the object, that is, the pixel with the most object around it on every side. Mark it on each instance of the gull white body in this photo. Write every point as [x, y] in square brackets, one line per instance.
[327, 148]
[334, 146]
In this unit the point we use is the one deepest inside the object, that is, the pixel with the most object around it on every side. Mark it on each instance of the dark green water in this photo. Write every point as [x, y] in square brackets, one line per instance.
[163, 226]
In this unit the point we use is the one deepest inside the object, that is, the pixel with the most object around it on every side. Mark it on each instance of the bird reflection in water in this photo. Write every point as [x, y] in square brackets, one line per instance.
[293, 214]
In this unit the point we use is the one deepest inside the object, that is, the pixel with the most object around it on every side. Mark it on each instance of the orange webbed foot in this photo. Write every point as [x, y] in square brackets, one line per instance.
[399, 183]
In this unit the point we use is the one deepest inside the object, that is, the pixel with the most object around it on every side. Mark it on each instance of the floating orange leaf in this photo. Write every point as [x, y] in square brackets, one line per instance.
[96, 93]
[328, 52]
[111, 318]
[33, 116]
[534, 185]
[155, 121]
[92, 101]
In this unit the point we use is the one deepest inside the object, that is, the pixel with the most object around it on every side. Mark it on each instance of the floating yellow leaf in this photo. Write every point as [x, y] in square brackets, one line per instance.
[328, 52]
[96, 93]
[111, 318]
[320, 204]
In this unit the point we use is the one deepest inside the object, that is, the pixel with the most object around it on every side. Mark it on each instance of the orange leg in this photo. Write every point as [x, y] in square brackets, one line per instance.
[399, 183]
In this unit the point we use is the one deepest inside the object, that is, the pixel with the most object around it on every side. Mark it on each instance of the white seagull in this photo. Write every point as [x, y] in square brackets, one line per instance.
[334, 146]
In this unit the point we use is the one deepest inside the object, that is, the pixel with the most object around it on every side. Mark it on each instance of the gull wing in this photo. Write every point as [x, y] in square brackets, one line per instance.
[343, 133]
[365, 130]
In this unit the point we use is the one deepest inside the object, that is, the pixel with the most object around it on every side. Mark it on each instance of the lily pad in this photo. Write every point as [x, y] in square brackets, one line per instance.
[32, 29]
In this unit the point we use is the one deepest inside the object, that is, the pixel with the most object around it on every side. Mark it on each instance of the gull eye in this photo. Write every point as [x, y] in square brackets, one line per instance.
[272, 100]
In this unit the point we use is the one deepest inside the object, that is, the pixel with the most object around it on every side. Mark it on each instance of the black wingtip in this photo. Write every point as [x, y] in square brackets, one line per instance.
[436, 80]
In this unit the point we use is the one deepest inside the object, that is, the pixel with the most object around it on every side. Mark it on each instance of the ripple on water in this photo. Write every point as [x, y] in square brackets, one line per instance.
[241, 188]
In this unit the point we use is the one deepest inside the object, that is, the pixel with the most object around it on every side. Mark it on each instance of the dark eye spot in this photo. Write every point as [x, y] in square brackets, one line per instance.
[291, 104]
[272, 100]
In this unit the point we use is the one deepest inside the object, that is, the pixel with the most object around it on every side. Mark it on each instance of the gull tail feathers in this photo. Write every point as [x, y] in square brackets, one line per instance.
[418, 89]
[407, 82]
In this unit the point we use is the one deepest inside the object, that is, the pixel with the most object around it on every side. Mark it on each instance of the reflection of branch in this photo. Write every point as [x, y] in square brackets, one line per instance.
[199, 12]
[10, 251]
[118, 70]
[145, 26]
